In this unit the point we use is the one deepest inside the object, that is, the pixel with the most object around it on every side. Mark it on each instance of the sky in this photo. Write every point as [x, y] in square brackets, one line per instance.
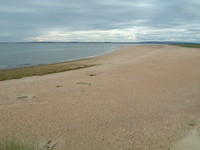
[99, 20]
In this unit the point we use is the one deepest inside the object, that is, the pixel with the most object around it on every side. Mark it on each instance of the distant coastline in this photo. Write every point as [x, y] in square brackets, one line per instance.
[144, 42]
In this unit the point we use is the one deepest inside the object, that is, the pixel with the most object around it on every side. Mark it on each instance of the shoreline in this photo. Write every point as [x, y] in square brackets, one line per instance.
[98, 55]
[82, 53]
[140, 97]
[62, 62]
[44, 69]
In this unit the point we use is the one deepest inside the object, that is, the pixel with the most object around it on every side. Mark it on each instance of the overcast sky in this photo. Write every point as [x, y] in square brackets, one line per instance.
[99, 20]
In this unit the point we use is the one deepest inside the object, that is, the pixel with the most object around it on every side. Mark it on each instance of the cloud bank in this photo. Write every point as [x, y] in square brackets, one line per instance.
[100, 21]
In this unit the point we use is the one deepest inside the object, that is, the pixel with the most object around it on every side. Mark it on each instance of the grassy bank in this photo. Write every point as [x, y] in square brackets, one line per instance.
[188, 45]
[14, 144]
[44, 69]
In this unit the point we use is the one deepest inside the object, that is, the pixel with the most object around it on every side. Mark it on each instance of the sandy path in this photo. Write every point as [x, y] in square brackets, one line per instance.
[140, 98]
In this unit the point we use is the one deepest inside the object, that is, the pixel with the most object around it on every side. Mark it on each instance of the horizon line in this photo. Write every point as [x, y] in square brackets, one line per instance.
[164, 42]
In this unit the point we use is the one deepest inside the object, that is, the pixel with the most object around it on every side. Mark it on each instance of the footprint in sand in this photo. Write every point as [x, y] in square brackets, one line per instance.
[83, 83]
[58, 86]
[25, 97]
[93, 74]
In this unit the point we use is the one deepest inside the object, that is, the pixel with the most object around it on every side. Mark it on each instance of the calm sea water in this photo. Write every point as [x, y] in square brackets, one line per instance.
[18, 55]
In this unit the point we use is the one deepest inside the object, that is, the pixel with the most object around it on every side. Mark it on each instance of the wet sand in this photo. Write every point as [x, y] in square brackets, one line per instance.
[144, 97]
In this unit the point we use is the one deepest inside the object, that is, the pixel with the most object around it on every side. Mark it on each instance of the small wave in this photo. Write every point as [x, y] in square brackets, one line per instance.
[4, 66]
[24, 64]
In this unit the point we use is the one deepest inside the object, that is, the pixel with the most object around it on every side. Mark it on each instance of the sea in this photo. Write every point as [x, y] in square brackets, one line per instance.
[19, 55]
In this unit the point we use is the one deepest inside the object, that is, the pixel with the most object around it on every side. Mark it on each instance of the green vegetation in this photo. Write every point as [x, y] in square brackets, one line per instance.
[188, 45]
[192, 123]
[13, 144]
[44, 69]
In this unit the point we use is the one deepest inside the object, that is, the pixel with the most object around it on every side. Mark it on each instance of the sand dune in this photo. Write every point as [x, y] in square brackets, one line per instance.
[140, 98]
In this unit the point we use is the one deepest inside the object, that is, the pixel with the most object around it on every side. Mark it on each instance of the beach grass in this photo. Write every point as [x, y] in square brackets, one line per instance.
[12, 143]
[44, 69]
[188, 45]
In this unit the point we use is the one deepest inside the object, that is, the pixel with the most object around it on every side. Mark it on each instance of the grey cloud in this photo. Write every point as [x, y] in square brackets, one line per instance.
[25, 18]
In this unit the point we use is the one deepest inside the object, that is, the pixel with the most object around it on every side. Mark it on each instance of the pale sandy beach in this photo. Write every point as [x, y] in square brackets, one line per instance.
[144, 97]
